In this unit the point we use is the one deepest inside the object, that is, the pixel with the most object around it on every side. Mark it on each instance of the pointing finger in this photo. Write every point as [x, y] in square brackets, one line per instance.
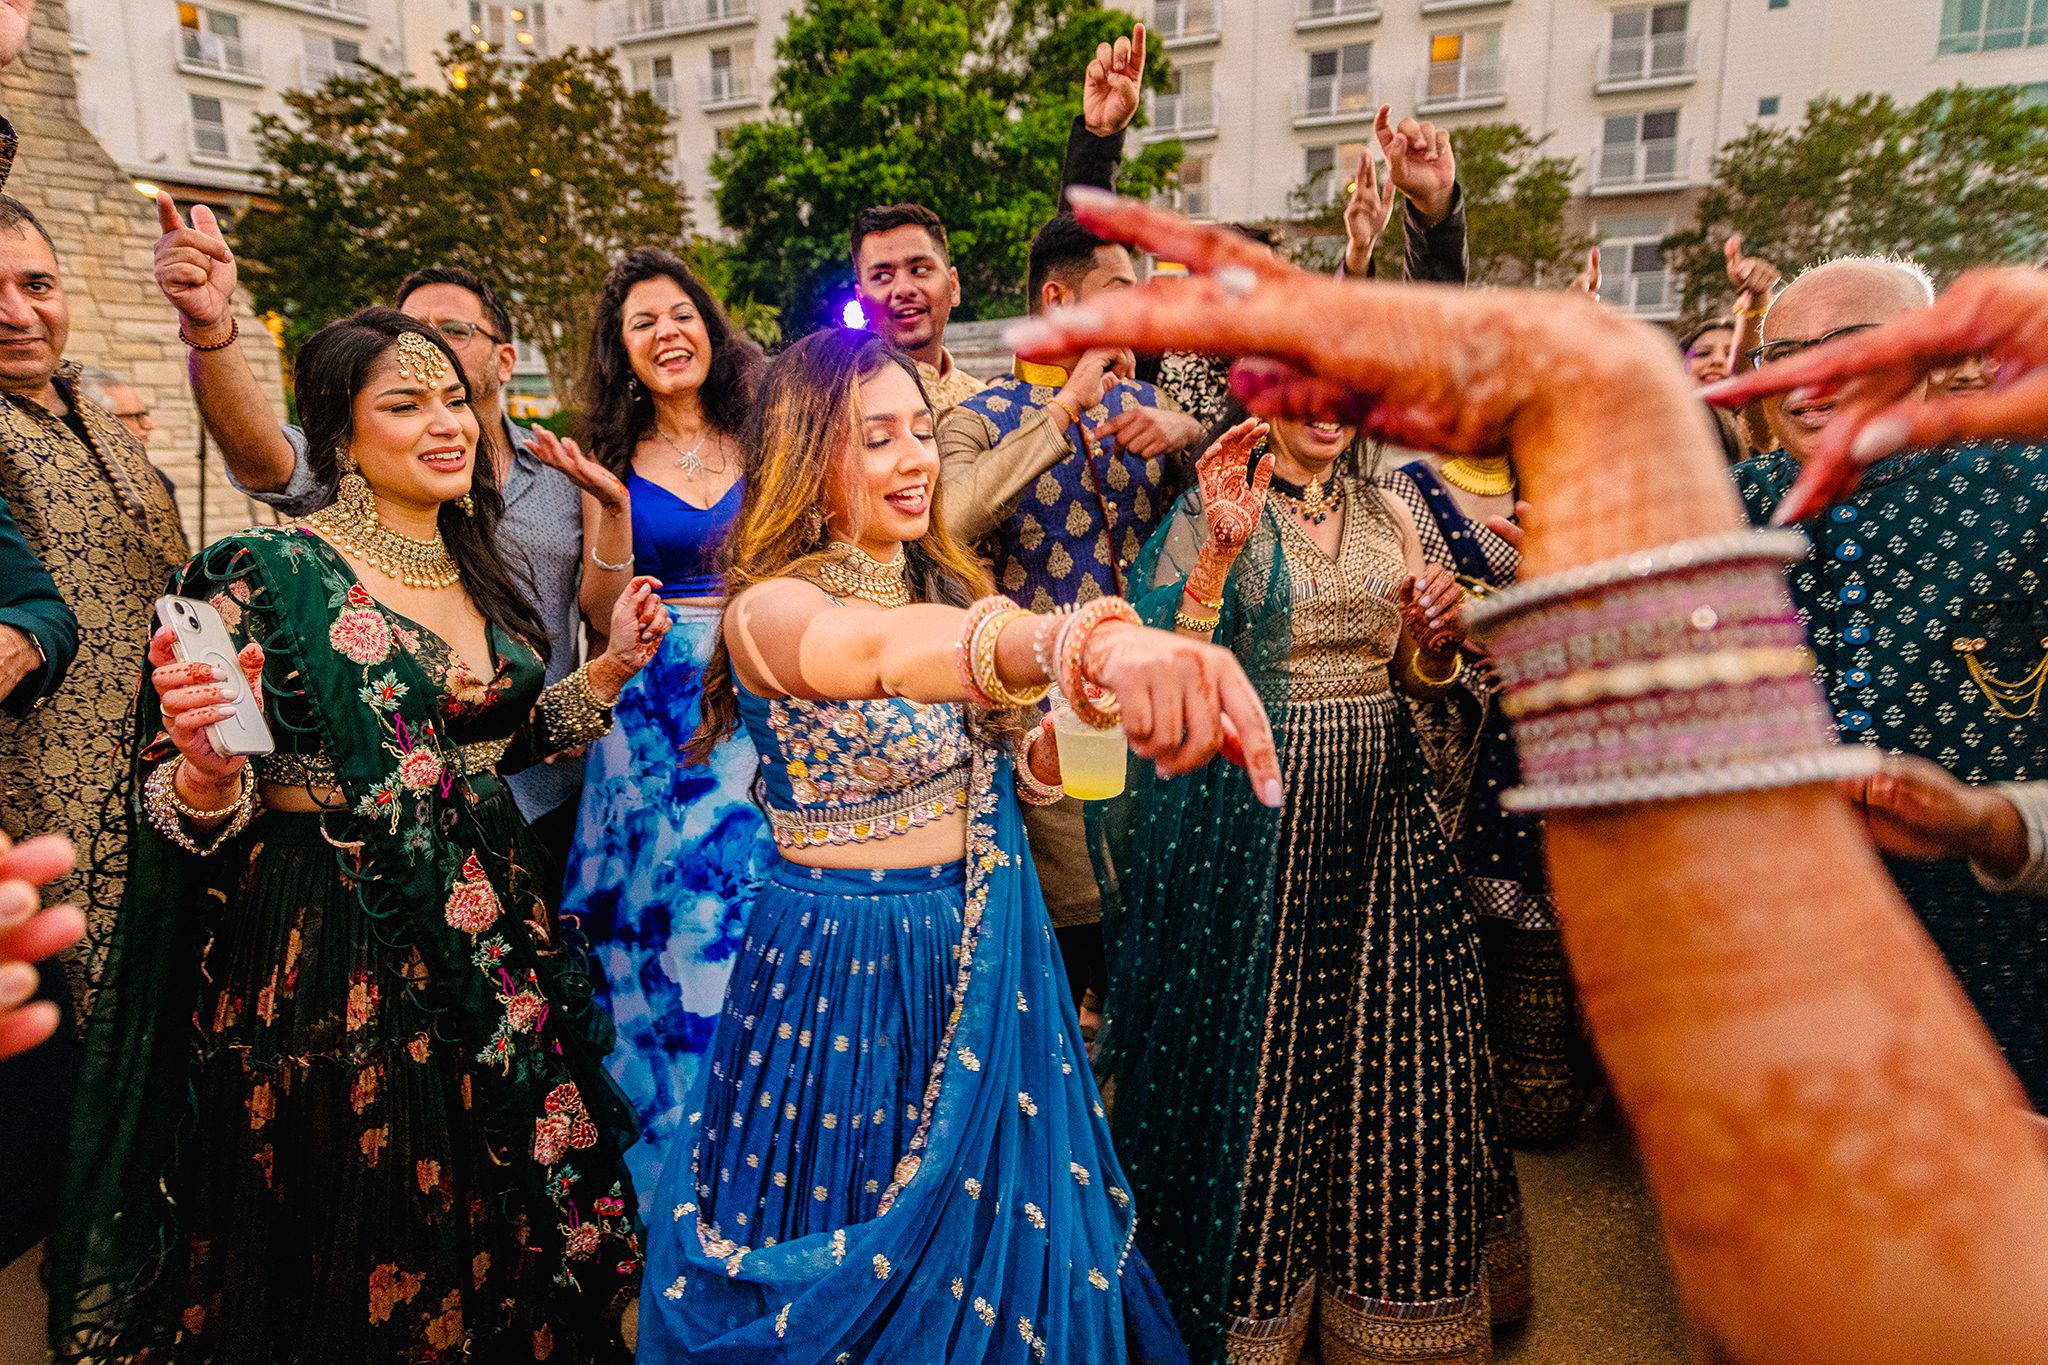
[1383, 127]
[167, 216]
[1138, 49]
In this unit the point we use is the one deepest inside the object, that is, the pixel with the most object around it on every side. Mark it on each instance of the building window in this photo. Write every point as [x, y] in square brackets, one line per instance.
[1992, 25]
[1339, 81]
[1326, 171]
[210, 136]
[1778, 4]
[730, 79]
[210, 41]
[1194, 198]
[1464, 65]
[1175, 20]
[1633, 275]
[327, 56]
[1767, 107]
[518, 28]
[1640, 149]
[1189, 104]
[1649, 42]
[657, 76]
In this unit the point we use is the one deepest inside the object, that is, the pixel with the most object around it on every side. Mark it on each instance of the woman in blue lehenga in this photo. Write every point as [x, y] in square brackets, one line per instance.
[898, 1153]
[667, 853]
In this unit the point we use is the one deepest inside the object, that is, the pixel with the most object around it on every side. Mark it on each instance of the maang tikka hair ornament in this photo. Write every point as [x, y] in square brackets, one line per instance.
[420, 360]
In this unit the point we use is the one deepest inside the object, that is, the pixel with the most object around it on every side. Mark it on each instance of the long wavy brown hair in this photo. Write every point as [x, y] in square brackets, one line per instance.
[798, 443]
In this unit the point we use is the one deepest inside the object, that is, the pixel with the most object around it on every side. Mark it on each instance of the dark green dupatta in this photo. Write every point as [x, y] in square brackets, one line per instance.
[1186, 867]
[437, 877]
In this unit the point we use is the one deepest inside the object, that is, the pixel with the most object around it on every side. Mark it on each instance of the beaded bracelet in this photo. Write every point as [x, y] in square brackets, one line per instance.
[987, 677]
[1674, 672]
[167, 810]
[1073, 644]
[1201, 625]
[234, 332]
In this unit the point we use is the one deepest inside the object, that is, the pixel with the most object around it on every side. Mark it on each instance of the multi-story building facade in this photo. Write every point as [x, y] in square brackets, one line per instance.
[1640, 93]
[1267, 93]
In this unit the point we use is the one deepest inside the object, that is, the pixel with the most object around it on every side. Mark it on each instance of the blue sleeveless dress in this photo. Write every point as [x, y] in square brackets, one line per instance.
[898, 1153]
[666, 856]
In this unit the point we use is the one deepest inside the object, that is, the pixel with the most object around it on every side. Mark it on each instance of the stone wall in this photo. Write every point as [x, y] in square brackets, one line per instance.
[104, 233]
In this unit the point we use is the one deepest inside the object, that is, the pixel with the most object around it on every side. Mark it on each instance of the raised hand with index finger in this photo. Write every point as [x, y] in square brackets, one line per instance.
[1114, 83]
[194, 267]
[1366, 213]
[1419, 162]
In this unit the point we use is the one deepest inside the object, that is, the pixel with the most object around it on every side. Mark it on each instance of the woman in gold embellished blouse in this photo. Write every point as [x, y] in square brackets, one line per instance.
[898, 1153]
[343, 1097]
[1296, 1019]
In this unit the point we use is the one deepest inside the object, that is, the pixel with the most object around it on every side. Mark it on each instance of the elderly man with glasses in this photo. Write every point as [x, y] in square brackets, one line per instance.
[1926, 603]
[543, 519]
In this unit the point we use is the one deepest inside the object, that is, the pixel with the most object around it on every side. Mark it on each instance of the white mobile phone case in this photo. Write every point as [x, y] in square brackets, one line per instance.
[199, 636]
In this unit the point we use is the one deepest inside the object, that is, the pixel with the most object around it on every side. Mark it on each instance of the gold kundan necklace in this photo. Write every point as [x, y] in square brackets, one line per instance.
[349, 523]
[856, 573]
[1481, 478]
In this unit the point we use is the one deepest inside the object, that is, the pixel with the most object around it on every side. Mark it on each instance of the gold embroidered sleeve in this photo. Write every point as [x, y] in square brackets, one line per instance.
[981, 478]
[568, 714]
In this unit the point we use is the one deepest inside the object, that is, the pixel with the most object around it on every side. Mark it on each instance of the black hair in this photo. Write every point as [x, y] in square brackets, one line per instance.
[1264, 236]
[617, 409]
[501, 321]
[333, 367]
[1062, 250]
[16, 215]
[889, 216]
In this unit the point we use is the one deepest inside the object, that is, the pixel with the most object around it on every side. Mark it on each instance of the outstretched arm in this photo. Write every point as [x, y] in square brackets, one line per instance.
[1840, 1156]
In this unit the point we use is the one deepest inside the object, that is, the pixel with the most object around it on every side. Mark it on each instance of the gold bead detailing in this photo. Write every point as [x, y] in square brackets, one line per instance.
[316, 769]
[420, 361]
[856, 573]
[167, 811]
[572, 712]
[1481, 478]
[351, 522]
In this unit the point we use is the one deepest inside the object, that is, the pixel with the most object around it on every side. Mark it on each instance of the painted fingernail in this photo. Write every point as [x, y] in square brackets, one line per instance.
[1237, 280]
[219, 674]
[17, 902]
[17, 983]
[1880, 438]
[1271, 794]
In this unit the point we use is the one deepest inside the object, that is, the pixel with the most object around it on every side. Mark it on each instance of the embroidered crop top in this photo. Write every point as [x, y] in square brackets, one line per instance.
[677, 541]
[844, 772]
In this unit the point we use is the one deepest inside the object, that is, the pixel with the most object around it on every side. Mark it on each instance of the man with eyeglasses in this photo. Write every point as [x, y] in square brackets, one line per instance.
[1926, 605]
[543, 521]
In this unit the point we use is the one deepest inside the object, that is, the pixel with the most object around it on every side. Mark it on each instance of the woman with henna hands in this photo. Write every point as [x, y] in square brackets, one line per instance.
[898, 1153]
[343, 1096]
[1841, 1159]
[1296, 1025]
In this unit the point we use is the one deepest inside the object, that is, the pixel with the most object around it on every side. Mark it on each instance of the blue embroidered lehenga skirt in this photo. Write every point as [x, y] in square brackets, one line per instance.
[898, 1153]
[665, 862]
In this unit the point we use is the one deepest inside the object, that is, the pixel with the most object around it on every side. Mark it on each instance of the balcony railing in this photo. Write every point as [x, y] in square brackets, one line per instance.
[1461, 85]
[1330, 13]
[1193, 200]
[1186, 21]
[727, 89]
[354, 11]
[1648, 164]
[634, 20]
[1640, 63]
[1649, 294]
[213, 143]
[662, 90]
[1452, 6]
[80, 24]
[1335, 99]
[209, 54]
[317, 70]
[1183, 116]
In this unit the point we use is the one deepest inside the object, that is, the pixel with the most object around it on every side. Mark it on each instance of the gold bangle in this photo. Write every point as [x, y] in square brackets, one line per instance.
[243, 784]
[572, 712]
[986, 676]
[1753, 313]
[1203, 624]
[1457, 671]
[164, 809]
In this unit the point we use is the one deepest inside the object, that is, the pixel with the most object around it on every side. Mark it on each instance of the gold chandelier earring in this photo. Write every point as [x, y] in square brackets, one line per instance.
[352, 493]
[467, 504]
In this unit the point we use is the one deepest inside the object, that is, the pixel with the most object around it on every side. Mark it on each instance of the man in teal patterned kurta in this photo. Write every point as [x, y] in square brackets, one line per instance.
[1926, 602]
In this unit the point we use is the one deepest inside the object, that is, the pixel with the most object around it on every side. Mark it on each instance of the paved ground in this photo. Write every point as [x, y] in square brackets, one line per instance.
[1603, 1287]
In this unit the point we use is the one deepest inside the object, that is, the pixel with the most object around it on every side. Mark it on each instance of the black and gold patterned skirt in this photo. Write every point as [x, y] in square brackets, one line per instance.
[1374, 1175]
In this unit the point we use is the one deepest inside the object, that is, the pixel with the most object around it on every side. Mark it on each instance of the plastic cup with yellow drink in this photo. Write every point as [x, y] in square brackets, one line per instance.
[1092, 761]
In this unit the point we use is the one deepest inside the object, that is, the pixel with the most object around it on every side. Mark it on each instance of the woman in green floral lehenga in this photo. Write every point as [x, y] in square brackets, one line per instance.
[343, 1097]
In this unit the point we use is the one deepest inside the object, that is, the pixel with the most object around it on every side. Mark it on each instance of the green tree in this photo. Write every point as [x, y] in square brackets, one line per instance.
[536, 175]
[1515, 199]
[962, 105]
[1958, 179]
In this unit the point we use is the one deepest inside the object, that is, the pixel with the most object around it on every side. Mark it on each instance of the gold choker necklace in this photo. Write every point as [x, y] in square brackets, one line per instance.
[856, 573]
[351, 522]
[1313, 501]
[1481, 478]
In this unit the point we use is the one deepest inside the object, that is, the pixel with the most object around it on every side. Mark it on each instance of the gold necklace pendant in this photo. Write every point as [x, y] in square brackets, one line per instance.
[856, 573]
[411, 561]
[1481, 478]
[1315, 502]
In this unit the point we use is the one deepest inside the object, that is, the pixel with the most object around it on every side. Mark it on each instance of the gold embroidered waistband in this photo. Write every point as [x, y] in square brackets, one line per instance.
[316, 770]
[883, 818]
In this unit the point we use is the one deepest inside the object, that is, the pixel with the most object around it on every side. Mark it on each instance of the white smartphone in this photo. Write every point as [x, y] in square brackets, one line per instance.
[199, 636]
